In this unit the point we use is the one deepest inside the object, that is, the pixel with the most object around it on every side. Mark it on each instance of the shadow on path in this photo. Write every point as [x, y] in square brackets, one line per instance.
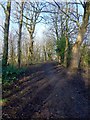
[56, 95]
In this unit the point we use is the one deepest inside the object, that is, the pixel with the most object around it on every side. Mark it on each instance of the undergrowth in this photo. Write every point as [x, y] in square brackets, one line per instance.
[10, 73]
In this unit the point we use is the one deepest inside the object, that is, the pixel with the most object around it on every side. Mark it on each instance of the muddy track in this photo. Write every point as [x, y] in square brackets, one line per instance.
[47, 92]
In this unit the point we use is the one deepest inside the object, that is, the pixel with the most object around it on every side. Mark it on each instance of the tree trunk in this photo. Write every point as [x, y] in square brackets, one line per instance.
[6, 34]
[66, 51]
[31, 48]
[20, 34]
[45, 54]
[76, 48]
[67, 39]
[12, 53]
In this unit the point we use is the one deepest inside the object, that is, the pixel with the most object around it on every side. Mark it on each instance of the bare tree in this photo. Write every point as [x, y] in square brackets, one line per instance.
[12, 55]
[76, 48]
[7, 11]
[67, 38]
[81, 32]
[32, 16]
[20, 33]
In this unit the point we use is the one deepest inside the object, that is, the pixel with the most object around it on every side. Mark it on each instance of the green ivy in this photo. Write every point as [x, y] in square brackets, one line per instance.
[60, 47]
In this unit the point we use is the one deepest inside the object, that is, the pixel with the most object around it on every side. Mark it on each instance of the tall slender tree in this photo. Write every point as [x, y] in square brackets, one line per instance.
[66, 38]
[32, 16]
[20, 33]
[7, 11]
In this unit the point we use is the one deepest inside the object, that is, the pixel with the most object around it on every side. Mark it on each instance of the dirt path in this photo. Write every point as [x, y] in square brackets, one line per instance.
[46, 91]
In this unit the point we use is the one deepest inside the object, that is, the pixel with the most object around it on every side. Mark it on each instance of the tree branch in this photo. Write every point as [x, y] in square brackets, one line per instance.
[2, 27]
[67, 14]
[3, 8]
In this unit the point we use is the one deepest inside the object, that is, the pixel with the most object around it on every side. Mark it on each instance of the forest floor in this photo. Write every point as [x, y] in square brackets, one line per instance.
[46, 91]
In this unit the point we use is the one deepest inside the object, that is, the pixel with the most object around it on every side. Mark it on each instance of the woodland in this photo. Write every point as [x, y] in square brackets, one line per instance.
[44, 59]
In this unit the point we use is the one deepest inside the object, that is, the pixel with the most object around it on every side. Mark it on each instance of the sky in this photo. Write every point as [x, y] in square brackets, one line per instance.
[40, 28]
[47, 0]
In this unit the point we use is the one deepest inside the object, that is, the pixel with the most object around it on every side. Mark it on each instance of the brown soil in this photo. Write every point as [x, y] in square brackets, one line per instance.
[46, 91]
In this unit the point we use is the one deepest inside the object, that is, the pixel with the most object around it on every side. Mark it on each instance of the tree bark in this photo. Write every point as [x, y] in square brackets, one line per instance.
[31, 48]
[67, 40]
[20, 34]
[6, 34]
[12, 53]
[76, 48]
[66, 51]
[45, 54]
